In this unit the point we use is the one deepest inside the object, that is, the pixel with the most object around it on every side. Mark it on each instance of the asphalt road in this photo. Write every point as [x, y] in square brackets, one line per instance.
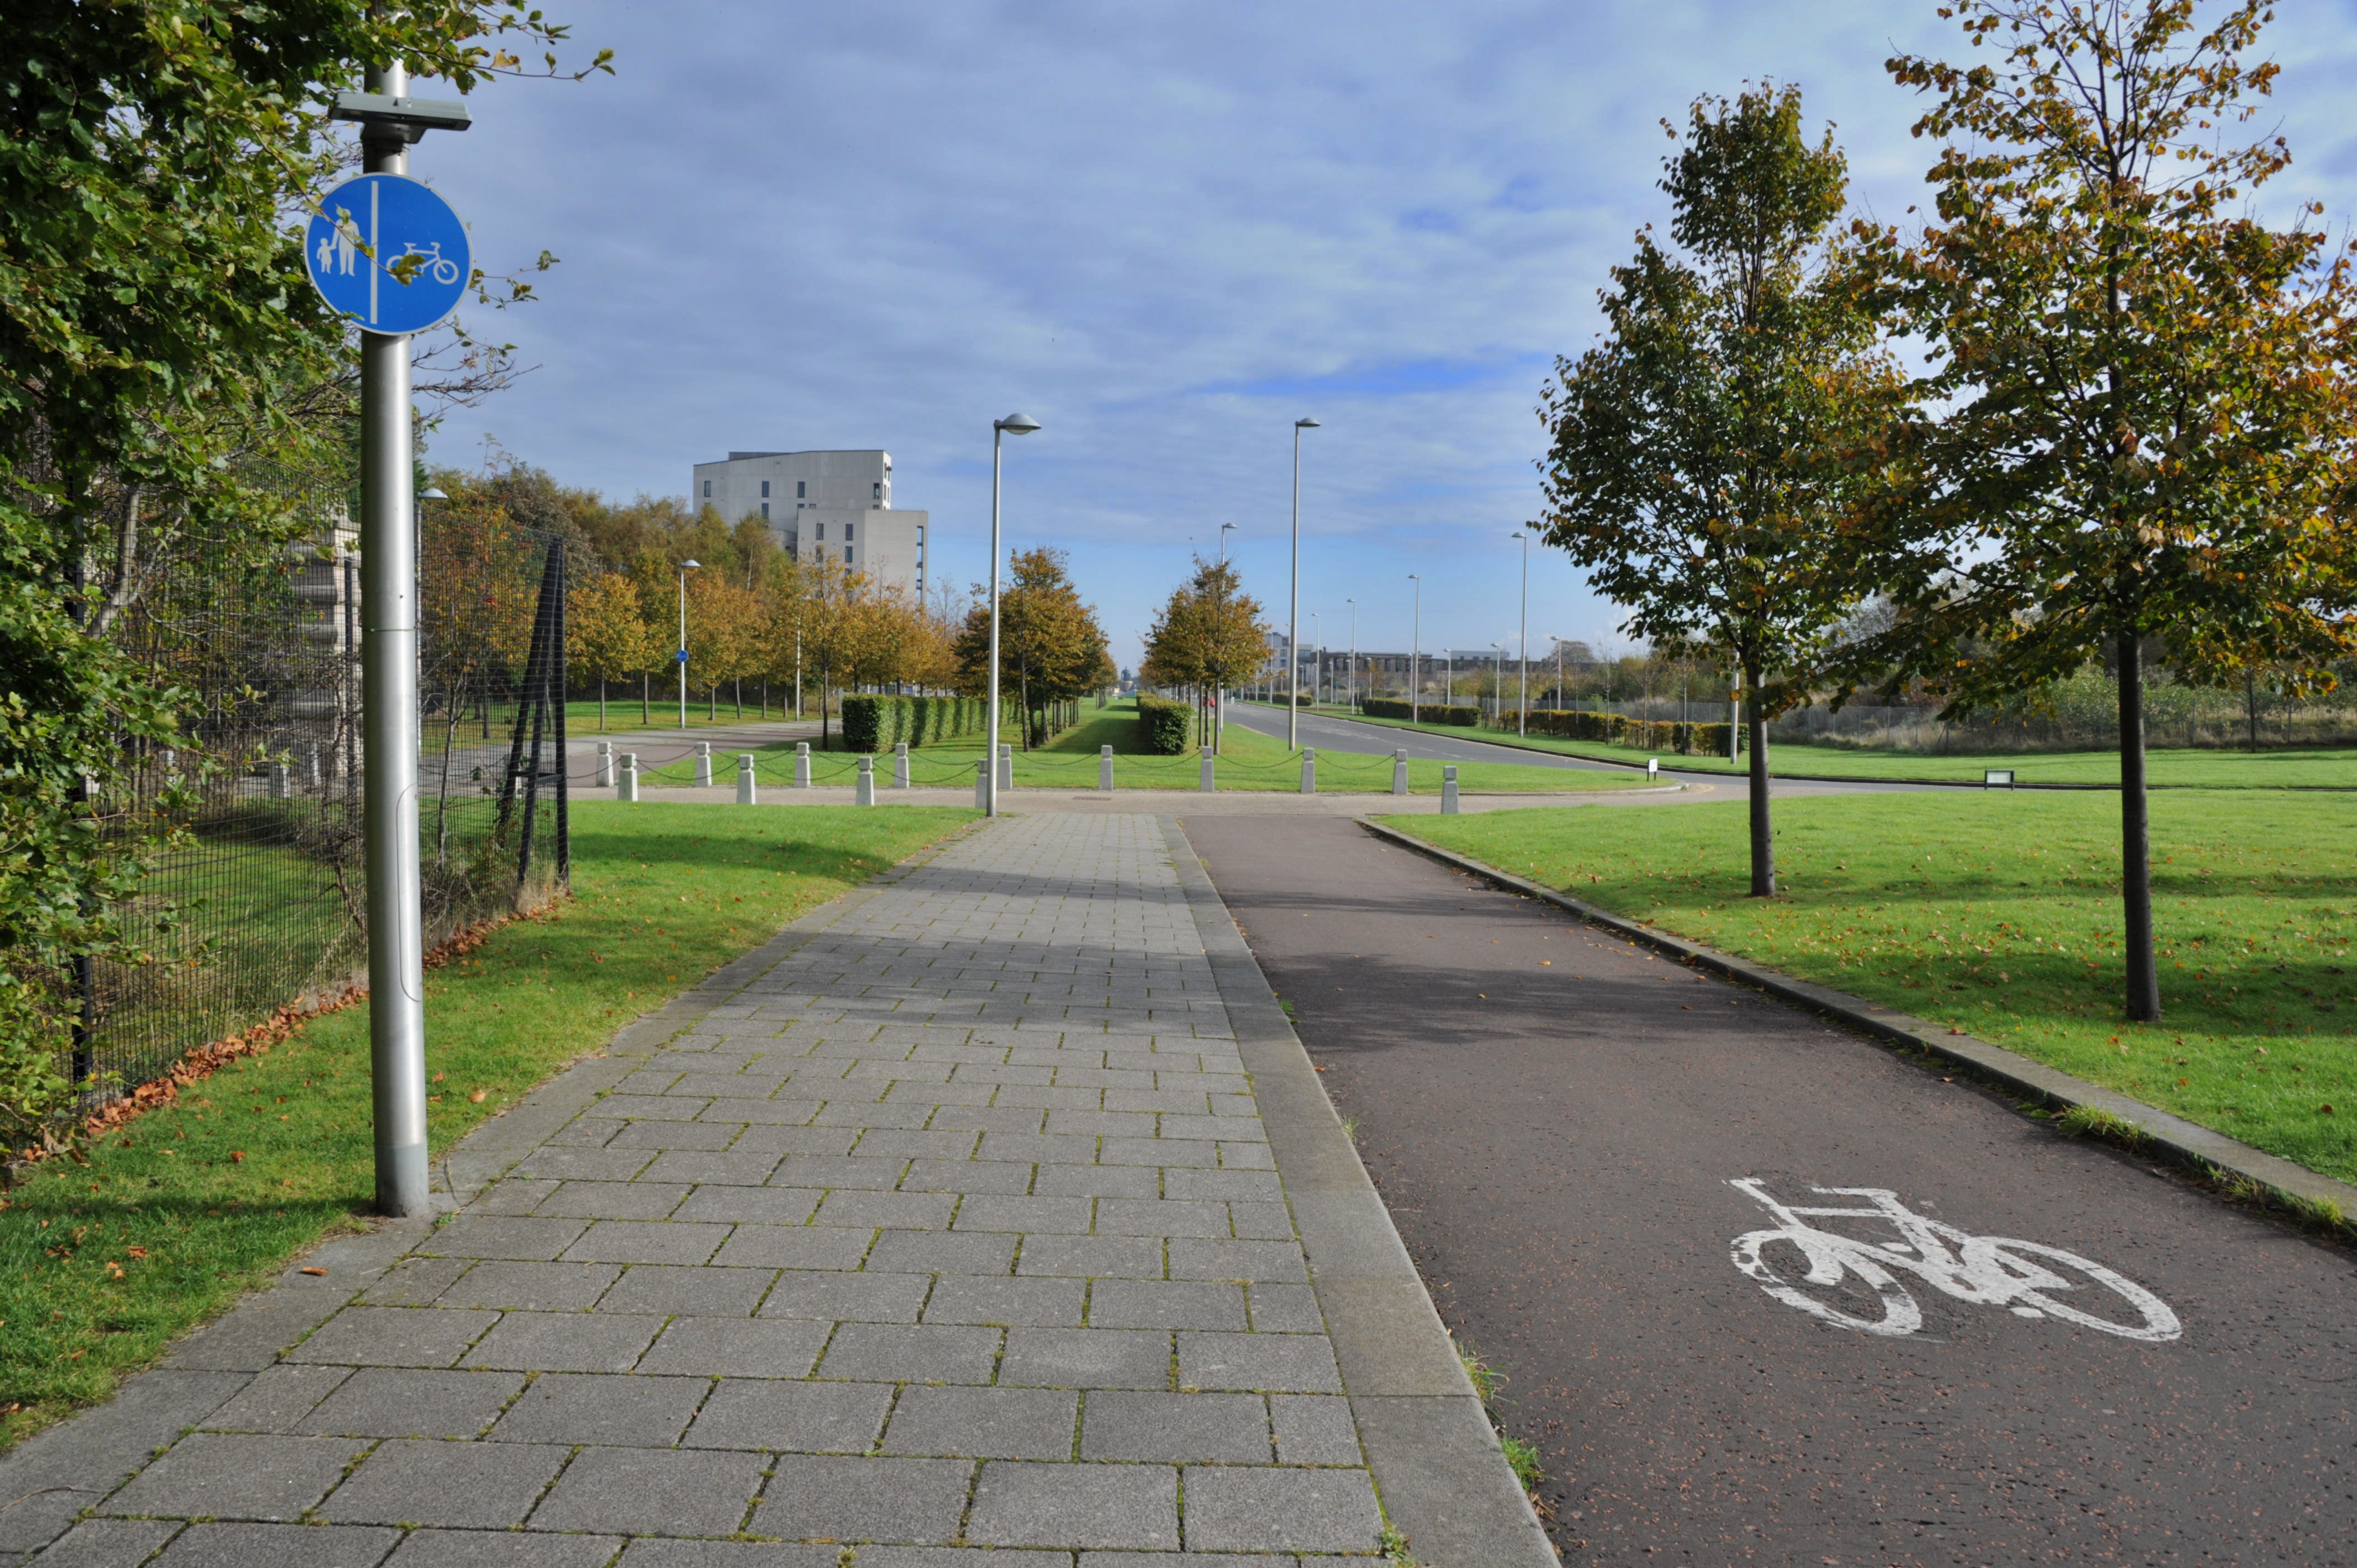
[1349, 735]
[1555, 1119]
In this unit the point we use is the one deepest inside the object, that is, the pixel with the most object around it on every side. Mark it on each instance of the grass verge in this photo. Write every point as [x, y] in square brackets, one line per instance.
[2175, 766]
[1248, 761]
[1999, 914]
[194, 1202]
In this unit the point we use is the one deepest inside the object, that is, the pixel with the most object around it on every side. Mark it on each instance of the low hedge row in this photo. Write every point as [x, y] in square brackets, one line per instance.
[1686, 739]
[878, 724]
[1423, 713]
[1164, 728]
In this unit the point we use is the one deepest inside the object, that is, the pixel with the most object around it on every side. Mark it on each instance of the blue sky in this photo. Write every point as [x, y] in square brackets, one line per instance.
[1164, 231]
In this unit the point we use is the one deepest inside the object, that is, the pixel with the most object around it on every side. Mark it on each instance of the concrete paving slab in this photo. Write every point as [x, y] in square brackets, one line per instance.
[1009, 1098]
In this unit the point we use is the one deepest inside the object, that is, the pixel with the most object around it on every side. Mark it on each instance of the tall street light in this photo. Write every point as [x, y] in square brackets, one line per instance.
[1521, 716]
[680, 658]
[1354, 651]
[1498, 675]
[1414, 647]
[1292, 627]
[1225, 529]
[1000, 429]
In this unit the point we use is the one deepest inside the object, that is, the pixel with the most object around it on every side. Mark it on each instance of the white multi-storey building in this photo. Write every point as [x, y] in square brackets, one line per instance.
[832, 505]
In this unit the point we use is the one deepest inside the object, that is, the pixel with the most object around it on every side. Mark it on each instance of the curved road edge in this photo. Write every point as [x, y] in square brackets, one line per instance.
[2206, 1151]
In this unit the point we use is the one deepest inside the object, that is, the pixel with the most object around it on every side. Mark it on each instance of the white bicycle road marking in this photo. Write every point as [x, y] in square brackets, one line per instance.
[2027, 1278]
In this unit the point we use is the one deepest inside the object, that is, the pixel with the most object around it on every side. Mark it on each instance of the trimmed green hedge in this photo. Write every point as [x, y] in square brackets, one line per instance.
[1164, 728]
[1424, 712]
[879, 723]
[1647, 735]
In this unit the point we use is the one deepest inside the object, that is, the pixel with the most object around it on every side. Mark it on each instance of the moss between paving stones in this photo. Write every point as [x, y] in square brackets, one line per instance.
[2000, 914]
[191, 1205]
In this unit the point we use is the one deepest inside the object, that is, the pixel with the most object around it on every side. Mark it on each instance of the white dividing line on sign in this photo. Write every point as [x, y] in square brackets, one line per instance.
[2027, 1278]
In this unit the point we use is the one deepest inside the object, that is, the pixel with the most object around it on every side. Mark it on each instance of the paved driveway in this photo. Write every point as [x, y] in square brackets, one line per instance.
[1555, 1119]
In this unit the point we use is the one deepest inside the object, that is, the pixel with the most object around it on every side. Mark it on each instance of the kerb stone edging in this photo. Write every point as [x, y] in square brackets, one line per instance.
[47, 1480]
[2185, 1142]
[1443, 1478]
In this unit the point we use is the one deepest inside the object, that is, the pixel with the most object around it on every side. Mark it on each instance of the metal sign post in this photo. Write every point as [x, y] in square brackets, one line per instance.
[390, 256]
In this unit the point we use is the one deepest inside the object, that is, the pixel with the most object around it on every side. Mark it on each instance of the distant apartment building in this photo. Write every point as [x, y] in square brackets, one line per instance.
[835, 506]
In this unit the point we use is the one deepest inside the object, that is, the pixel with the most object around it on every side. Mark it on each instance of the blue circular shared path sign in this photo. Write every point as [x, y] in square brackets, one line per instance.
[387, 253]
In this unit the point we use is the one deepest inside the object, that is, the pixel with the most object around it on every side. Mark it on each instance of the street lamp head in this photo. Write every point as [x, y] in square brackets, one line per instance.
[690, 565]
[1017, 424]
[432, 493]
[1304, 424]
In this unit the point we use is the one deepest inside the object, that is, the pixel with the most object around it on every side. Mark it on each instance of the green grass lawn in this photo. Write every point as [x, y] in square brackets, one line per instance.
[2176, 766]
[662, 711]
[190, 1205]
[2000, 914]
[1248, 760]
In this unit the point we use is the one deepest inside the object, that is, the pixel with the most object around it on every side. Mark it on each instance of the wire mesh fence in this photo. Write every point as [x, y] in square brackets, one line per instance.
[261, 901]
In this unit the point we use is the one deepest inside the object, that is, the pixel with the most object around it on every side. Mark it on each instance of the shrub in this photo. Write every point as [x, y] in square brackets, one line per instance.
[1164, 728]
[879, 723]
[1686, 739]
[1435, 713]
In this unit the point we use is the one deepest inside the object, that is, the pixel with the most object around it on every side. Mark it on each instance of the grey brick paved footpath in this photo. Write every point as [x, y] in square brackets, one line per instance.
[946, 1230]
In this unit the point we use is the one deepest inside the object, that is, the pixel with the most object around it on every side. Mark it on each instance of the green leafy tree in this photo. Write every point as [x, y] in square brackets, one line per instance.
[1209, 636]
[2144, 392]
[1051, 646]
[158, 344]
[1693, 471]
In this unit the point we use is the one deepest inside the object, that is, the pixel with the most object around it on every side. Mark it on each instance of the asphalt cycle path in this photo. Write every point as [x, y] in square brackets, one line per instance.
[1327, 732]
[1614, 1174]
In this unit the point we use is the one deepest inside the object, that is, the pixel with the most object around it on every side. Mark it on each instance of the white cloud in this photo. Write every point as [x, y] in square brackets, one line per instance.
[1163, 229]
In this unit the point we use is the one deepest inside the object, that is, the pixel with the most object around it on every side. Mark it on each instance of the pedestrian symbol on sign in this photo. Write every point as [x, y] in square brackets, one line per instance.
[387, 253]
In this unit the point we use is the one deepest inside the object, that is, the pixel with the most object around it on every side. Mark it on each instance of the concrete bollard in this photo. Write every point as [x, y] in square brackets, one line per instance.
[1309, 771]
[801, 766]
[981, 784]
[1105, 768]
[1210, 782]
[1399, 771]
[703, 764]
[1006, 766]
[1652, 770]
[900, 766]
[748, 792]
[864, 792]
[1448, 790]
[626, 783]
[605, 765]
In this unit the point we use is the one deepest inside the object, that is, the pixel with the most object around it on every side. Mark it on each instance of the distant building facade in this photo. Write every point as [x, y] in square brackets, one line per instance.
[835, 506]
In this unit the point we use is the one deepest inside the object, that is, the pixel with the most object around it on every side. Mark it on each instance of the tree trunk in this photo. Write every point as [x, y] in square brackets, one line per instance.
[2135, 840]
[646, 712]
[1763, 828]
[601, 702]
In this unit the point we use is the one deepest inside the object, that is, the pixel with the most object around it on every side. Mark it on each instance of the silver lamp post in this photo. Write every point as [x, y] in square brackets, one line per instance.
[681, 657]
[1013, 425]
[1498, 674]
[1225, 529]
[1523, 665]
[1414, 648]
[1293, 627]
[390, 120]
[1353, 693]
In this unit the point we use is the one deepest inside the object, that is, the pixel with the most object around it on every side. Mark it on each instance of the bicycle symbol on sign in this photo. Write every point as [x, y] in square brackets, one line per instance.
[2027, 1278]
[430, 259]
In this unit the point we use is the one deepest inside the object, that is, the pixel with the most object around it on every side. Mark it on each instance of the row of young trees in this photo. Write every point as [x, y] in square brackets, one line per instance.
[2092, 409]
